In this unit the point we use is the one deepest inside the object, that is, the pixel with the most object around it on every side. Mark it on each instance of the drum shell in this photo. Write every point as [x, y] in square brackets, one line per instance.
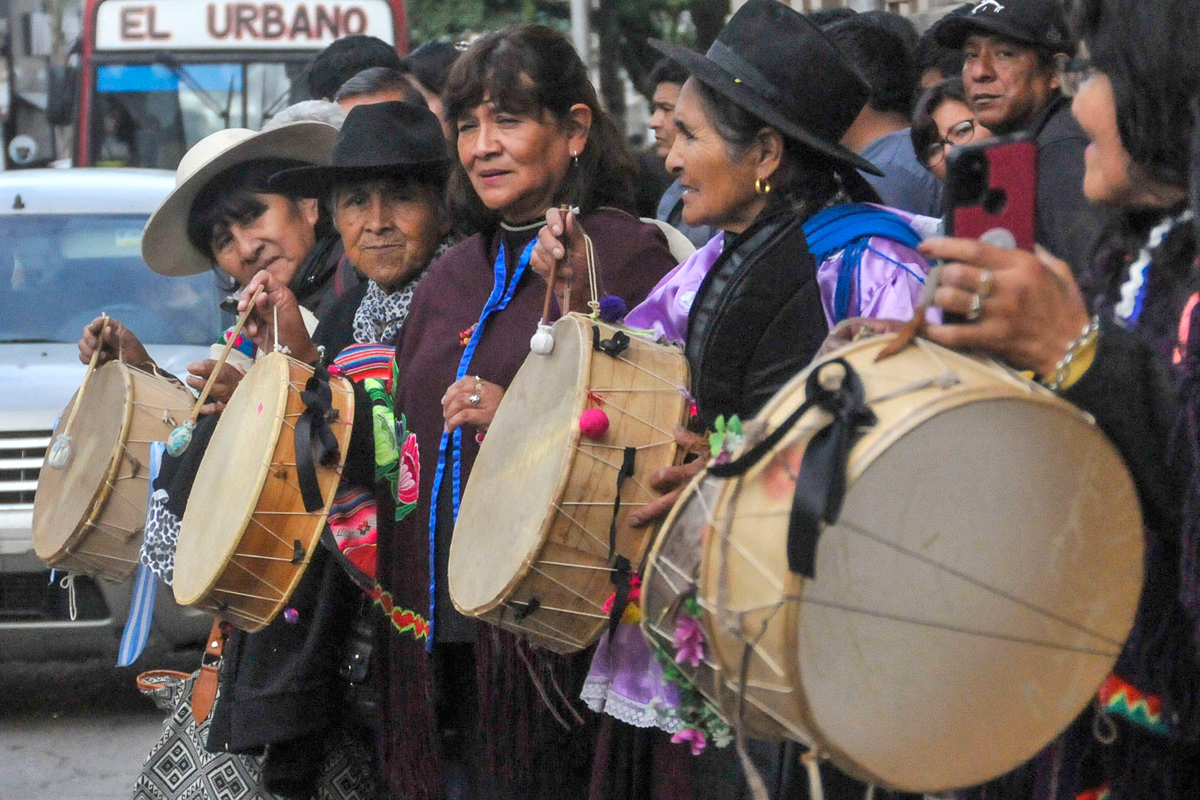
[878, 652]
[673, 573]
[89, 517]
[236, 556]
[555, 548]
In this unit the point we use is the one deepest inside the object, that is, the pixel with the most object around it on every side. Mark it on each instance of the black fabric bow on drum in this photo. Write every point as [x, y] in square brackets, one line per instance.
[315, 442]
[821, 484]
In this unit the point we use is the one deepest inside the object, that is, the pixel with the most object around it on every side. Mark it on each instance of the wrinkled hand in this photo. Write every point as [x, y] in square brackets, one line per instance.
[672, 480]
[222, 388]
[276, 299]
[1032, 313]
[117, 341]
[560, 245]
[458, 410]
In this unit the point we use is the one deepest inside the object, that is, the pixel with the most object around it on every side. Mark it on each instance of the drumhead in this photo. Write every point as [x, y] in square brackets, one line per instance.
[529, 444]
[230, 478]
[66, 498]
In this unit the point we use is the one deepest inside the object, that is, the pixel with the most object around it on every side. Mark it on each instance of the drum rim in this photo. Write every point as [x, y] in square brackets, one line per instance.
[100, 499]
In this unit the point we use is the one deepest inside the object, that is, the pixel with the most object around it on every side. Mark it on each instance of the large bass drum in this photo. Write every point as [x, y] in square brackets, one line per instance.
[89, 516]
[248, 534]
[538, 531]
[971, 597]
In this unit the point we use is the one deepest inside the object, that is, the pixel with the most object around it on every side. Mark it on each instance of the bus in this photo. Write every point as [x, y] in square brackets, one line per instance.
[156, 76]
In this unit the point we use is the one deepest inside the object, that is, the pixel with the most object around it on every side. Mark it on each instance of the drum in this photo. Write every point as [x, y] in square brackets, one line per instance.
[969, 600]
[89, 516]
[248, 533]
[539, 531]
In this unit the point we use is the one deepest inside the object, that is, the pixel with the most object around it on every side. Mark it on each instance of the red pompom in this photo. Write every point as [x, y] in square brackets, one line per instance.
[593, 422]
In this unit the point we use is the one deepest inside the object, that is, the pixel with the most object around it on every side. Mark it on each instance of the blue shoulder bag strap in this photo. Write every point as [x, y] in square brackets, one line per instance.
[849, 227]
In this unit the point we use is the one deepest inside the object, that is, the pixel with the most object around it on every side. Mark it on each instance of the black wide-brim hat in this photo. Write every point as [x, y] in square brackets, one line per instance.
[774, 63]
[377, 140]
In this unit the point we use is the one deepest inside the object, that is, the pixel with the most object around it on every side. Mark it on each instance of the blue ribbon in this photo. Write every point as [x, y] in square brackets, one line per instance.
[145, 587]
[502, 294]
[849, 227]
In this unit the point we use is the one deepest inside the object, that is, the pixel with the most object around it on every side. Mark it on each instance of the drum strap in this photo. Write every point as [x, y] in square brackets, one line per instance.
[821, 484]
[204, 690]
[315, 442]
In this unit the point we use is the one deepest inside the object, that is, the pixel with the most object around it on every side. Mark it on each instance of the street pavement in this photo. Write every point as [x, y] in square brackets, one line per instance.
[77, 730]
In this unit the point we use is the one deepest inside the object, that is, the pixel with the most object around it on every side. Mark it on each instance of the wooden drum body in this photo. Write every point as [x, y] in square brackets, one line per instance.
[974, 593]
[89, 516]
[530, 551]
[246, 537]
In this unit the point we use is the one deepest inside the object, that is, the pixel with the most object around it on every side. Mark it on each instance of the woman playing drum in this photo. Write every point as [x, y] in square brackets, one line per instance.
[1131, 96]
[530, 135]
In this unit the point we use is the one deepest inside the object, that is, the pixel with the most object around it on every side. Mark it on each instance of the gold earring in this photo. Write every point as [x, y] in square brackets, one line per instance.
[762, 186]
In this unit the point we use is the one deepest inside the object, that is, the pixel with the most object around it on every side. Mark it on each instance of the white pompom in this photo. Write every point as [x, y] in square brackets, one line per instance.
[542, 342]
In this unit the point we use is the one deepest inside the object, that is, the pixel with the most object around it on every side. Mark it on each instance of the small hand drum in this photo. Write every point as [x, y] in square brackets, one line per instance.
[88, 517]
[247, 535]
[972, 596]
[531, 550]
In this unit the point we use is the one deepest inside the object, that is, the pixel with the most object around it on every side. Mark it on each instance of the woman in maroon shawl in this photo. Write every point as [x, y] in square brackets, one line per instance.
[462, 706]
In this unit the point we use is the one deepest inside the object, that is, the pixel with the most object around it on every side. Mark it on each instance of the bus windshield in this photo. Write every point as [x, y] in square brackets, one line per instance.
[148, 115]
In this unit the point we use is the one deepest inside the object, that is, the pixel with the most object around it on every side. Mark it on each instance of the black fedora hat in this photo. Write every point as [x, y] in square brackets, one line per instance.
[376, 140]
[774, 63]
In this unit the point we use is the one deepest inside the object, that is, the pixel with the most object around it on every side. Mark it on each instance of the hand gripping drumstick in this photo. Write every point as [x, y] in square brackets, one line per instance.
[542, 342]
[181, 437]
[60, 452]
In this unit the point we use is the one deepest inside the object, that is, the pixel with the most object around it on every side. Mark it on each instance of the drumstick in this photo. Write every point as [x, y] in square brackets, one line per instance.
[60, 453]
[542, 342]
[181, 437]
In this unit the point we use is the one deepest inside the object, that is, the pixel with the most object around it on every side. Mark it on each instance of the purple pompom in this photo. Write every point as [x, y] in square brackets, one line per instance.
[612, 308]
[291, 615]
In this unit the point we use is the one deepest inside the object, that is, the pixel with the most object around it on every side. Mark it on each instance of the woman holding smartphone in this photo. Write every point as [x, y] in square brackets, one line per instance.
[1107, 345]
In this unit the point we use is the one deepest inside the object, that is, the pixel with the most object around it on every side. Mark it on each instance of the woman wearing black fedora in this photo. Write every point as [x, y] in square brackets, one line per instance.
[803, 245]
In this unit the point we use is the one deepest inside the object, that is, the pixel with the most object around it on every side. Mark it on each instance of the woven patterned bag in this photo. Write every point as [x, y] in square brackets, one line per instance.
[180, 768]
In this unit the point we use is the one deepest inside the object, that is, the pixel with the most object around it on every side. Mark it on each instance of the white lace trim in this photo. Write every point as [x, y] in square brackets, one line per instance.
[1131, 289]
[598, 697]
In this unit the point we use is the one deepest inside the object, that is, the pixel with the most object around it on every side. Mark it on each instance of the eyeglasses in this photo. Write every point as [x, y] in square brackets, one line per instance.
[958, 134]
[1074, 74]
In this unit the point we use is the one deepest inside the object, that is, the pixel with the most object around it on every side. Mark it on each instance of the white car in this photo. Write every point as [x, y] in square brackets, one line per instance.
[70, 249]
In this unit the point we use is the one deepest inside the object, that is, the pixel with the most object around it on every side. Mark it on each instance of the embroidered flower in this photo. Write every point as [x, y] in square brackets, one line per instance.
[694, 737]
[688, 640]
[410, 471]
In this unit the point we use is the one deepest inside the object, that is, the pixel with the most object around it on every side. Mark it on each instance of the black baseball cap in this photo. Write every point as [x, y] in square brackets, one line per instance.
[1039, 23]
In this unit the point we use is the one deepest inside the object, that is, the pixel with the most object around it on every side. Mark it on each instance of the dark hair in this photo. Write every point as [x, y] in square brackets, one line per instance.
[531, 69]
[230, 197]
[931, 54]
[893, 23]
[381, 79]
[431, 63]
[344, 59]
[804, 175]
[924, 131]
[666, 71]
[883, 61]
[1147, 51]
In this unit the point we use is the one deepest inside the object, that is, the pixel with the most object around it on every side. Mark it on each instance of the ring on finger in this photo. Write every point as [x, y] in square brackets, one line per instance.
[987, 282]
[976, 310]
[474, 400]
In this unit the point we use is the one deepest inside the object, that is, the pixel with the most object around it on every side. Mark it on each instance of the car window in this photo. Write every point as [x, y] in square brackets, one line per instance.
[58, 272]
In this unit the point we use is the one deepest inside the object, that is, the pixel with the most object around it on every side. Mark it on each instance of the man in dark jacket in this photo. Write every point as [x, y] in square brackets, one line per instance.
[1012, 51]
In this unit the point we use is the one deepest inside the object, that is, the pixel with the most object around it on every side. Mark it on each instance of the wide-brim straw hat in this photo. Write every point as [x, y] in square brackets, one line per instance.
[774, 63]
[377, 140]
[165, 244]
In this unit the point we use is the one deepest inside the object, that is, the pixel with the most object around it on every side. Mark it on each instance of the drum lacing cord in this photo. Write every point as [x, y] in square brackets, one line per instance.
[315, 442]
[68, 583]
[542, 693]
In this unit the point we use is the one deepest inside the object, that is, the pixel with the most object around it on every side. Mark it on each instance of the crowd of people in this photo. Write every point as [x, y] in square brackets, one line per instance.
[404, 227]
